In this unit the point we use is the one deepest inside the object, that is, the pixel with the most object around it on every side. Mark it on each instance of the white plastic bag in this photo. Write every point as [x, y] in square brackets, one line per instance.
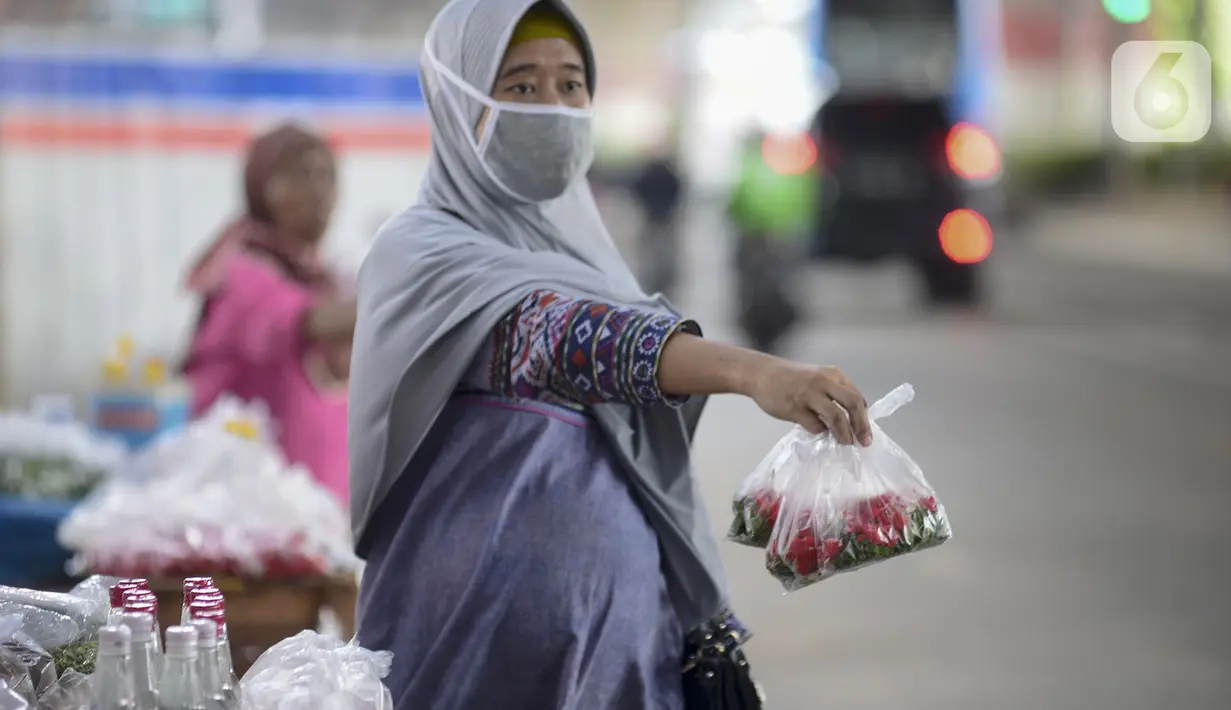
[309, 671]
[54, 619]
[25, 666]
[820, 508]
[11, 700]
[216, 498]
[72, 691]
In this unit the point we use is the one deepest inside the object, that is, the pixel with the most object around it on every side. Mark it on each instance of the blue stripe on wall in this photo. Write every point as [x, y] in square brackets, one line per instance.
[111, 78]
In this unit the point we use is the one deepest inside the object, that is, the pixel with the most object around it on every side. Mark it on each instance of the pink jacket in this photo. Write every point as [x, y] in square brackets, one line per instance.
[251, 344]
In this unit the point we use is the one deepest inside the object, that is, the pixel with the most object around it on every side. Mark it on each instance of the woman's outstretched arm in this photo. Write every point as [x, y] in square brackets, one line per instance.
[552, 346]
[816, 398]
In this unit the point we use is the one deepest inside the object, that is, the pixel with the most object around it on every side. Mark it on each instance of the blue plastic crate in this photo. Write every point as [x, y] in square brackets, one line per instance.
[29, 553]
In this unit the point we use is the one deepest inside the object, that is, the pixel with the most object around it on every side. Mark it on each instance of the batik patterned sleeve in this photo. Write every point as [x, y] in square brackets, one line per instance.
[578, 351]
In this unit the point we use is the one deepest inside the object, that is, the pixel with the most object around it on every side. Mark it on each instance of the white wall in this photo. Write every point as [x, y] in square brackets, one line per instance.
[95, 243]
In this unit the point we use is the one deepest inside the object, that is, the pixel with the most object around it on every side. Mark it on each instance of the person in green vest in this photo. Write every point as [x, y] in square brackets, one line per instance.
[772, 214]
[776, 189]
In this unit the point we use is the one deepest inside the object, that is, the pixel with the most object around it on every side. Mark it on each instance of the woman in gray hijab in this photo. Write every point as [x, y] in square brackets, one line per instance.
[520, 411]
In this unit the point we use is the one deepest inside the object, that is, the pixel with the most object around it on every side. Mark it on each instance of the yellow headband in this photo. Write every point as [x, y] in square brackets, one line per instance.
[544, 22]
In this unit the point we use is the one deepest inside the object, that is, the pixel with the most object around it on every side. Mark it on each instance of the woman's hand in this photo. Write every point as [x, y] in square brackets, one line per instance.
[331, 320]
[816, 398]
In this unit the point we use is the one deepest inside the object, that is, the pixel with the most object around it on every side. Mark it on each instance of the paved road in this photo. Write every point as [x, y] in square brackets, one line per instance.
[1178, 232]
[1080, 435]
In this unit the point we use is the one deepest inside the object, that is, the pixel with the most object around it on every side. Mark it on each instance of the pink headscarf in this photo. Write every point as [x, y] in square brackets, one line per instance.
[255, 230]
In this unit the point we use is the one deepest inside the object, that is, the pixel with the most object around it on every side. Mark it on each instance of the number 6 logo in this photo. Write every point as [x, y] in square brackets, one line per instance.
[1161, 91]
[1161, 101]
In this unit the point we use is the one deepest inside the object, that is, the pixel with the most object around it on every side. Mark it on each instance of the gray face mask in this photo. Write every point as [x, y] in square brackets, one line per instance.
[537, 153]
[534, 153]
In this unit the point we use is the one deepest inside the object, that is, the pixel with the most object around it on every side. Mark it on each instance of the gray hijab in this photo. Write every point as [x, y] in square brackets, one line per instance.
[443, 273]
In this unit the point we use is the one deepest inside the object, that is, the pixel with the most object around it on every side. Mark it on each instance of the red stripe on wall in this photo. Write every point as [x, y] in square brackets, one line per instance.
[195, 134]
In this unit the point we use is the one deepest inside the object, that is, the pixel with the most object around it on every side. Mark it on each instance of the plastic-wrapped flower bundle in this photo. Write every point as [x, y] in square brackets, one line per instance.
[819, 508]
[216, 498]
[48, 644]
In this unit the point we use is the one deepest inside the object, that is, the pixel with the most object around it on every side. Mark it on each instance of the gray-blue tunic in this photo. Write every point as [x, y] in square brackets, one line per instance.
[511, 569]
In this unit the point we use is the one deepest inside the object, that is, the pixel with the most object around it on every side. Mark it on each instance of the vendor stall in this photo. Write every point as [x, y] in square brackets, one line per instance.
[217, 498]
[261, 613]
[169, 643]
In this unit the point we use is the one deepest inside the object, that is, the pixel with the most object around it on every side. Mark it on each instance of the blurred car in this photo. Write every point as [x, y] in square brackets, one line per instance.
[900, 173]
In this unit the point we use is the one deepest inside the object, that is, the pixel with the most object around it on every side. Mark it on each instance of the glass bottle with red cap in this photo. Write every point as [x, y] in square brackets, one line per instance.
[133, 596]
[226, 665]
[180, 686]
[145, 605]
[112, 681]
[205, 602]
[145, 659]
[191, 583]
[145, 596]
[204, 595]
[209, 667]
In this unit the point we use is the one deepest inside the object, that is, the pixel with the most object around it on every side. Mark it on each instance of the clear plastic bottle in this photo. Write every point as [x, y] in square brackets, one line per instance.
[180, 687]
[226, 664]
[146, 662]
[112, 684]
[217, 696]
[146, 606]
[191, 583]
[144, 596]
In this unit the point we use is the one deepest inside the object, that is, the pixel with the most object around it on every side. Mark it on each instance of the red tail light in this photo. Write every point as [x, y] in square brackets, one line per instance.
[789, 155]
[972, 153]
[965, 237]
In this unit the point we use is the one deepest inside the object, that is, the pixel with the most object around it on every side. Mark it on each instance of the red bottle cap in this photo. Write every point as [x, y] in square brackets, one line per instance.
[136, 594]
[195, 582]
[202, 606]
[117, 591]
[217, 616]
[137, 582]
[143, 606]
[205, 593]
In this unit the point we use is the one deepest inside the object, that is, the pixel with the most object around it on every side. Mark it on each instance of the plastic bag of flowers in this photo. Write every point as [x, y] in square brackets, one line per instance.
[820, 508]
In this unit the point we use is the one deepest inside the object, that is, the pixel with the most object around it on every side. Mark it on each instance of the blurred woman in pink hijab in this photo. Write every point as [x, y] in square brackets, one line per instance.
[275, 325]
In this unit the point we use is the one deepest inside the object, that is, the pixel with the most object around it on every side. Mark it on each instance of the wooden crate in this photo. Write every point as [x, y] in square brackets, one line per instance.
[261, 613]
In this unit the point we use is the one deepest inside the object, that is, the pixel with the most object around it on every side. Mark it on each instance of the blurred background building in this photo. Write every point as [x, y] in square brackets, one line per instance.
[122, 122]
[1076, 422]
